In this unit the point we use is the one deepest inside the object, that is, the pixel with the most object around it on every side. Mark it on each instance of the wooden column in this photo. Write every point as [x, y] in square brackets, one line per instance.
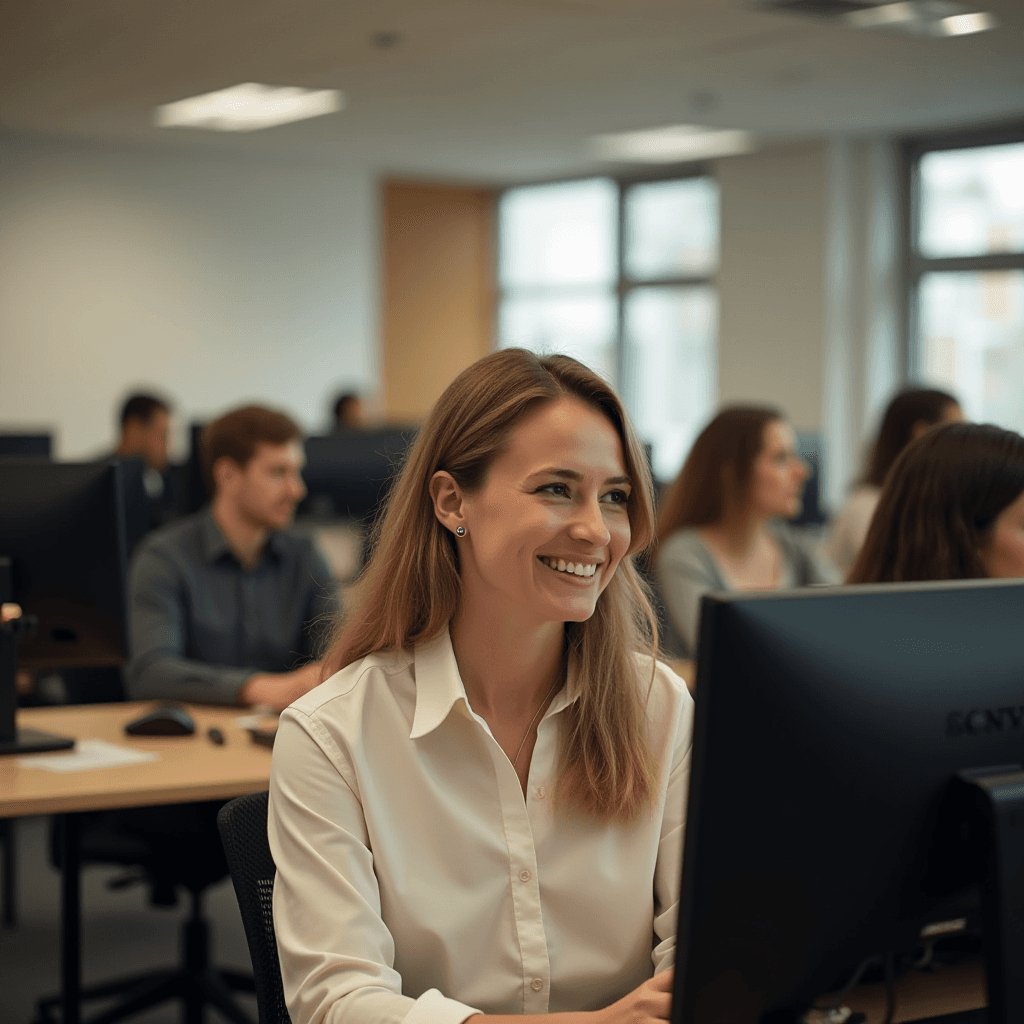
[438, 290]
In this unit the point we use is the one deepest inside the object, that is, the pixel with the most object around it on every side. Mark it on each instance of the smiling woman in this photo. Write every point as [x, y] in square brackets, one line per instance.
[481, 810]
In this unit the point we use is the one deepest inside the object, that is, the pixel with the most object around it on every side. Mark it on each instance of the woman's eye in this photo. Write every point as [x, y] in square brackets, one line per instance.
[562, 490]
[617, 497]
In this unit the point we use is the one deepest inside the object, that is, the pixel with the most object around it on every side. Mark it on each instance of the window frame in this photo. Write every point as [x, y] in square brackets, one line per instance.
[914, 265]
[623, 284]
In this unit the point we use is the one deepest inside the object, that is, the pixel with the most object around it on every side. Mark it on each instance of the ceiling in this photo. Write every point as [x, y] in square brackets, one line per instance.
[491, 90]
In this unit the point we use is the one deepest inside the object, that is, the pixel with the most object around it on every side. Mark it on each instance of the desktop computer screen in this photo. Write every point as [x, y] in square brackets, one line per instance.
[349, 473]
[35, 446]
[823, 826]
[63, 527]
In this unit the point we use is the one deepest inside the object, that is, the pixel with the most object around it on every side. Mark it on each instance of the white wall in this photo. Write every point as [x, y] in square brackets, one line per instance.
[215, 279]
[809, 290]
[771, 280]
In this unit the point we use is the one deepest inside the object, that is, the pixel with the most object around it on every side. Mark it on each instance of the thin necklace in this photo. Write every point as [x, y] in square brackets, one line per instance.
[529, 728]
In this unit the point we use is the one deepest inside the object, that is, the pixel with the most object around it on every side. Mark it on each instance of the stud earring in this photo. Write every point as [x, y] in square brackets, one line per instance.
[460, 531]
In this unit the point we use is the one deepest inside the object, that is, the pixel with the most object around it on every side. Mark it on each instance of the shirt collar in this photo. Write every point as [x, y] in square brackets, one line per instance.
[215, 544]
[439, 686]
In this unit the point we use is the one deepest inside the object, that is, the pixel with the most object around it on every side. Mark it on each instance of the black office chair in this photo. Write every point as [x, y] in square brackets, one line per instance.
[169, 848]
[243, 830]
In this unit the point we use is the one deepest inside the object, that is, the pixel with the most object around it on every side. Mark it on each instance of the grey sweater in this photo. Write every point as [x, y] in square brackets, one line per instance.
[686, 571]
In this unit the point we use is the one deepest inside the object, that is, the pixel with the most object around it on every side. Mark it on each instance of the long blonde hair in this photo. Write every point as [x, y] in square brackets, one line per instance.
[410, 588]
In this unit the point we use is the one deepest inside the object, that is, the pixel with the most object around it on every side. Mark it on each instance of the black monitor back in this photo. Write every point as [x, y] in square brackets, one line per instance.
[829, 726]
[349, 473]
[36, 446]
[63, 527]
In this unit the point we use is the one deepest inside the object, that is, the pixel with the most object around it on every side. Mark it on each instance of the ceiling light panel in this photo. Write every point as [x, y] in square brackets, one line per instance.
[248, 107]
[936, 18]
[671, 144]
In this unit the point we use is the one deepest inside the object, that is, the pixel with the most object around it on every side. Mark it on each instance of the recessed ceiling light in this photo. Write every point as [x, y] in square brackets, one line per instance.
[672, 144]
[923, 18]
[886, 14]
[248, 107]
[967, 24]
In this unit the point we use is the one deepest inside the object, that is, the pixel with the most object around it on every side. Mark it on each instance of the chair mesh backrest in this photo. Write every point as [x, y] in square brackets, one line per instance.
[243, 830]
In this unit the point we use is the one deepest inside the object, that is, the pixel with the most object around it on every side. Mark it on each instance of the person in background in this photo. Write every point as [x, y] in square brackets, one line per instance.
[720, 526]
[481, 811]
[348, 411]
[145, 433]
[907, 417]
[223, 604]
[145, 428]
[952, 508]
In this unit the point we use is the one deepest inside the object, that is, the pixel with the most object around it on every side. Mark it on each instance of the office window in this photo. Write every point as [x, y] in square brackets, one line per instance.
[620, 275]
[967, 265]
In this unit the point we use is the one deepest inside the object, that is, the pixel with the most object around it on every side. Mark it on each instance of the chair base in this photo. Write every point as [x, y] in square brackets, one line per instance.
[196, 984]
[195, 991]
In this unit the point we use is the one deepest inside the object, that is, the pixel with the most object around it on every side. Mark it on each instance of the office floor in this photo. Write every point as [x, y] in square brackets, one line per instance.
[121, 933]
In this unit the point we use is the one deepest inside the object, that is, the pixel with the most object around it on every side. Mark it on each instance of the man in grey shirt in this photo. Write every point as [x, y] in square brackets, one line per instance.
[225, 606]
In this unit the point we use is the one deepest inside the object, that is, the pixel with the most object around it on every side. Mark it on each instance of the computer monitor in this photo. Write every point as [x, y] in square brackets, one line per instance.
[194, 492]
[349, 473]
[826, 820]
[62, 526]
[810, 444]
[36, 446]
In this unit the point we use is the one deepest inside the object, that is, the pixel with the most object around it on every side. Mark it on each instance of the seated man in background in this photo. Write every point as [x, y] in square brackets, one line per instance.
[224, 604]
[348, 412]
[145, 429]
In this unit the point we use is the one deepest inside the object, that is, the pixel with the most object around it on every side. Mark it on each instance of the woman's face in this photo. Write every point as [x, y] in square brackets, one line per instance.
[547, 530]
[1003, 551]
[777, 482]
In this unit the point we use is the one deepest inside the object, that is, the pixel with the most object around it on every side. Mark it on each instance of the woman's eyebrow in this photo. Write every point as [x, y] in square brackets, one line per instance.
[572, 474]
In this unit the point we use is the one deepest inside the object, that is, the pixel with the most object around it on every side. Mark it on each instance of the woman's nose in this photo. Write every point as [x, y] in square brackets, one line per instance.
[588, 524]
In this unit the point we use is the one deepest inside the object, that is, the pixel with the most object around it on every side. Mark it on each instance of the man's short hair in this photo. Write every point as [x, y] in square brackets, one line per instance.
[142, 407]
[342, 402]
[237, 434]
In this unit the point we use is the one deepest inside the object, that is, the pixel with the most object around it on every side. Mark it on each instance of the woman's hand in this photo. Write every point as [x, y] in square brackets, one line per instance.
[648, 1003]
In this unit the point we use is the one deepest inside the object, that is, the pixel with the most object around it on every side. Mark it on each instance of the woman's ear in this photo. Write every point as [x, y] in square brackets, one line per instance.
[449, 501]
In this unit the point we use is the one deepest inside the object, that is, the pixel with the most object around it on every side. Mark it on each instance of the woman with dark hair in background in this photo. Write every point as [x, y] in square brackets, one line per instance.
[907, 417]
[481, 810]
[952, 508]
[720, 526]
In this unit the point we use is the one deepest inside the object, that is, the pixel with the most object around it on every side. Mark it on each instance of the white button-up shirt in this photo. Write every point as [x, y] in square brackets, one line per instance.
[416, 883]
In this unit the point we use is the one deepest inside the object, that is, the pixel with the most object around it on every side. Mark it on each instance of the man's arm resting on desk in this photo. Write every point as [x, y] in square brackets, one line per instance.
[279, 689]
[158, 668]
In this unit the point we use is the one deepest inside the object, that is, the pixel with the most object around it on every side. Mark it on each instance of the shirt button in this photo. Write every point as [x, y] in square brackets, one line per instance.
[524, 875]
[541, 792]
[536, 984]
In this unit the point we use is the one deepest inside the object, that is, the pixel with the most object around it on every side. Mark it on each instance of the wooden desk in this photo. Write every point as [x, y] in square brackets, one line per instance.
[188, 768]
[923, 996]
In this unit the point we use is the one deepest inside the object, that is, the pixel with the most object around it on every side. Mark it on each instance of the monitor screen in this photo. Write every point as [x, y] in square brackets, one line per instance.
[38, 446]
[348, 473]
[63, 527]
[830, 725]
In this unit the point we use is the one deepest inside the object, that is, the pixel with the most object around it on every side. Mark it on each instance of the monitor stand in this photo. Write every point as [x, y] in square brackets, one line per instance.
[12, 739]
[994, 821]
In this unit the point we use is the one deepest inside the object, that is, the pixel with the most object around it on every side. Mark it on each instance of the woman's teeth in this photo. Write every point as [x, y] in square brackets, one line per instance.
[576, 568]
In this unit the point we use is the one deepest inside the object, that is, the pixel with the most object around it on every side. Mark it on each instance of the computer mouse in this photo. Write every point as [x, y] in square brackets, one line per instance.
[165, 721]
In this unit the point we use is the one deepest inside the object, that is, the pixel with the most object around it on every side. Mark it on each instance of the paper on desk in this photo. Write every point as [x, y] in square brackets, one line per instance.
[88, 754]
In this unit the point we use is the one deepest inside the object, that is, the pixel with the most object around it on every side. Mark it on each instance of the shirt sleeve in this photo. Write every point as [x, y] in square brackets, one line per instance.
[337, 954]
[683, 579]
[668, 868]
[157, 668]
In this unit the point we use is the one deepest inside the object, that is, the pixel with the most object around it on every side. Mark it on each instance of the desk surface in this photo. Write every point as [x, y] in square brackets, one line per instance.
[187, 768]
